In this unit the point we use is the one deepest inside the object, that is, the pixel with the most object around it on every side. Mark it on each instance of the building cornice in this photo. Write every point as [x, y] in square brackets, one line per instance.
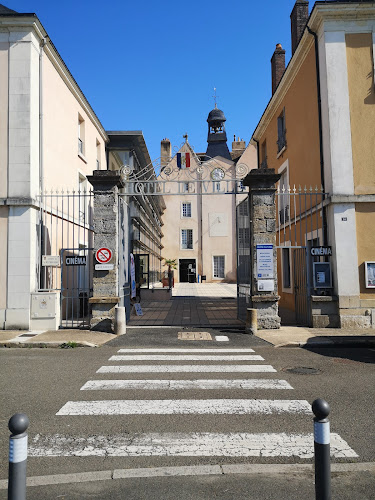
[322, 12]
[32, 23]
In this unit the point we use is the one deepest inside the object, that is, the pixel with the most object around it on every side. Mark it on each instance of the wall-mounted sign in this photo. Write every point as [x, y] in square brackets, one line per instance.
[51, 260]
[370, 274]
[104, 267]
[322, 275]
[103, 255]
[265, 261]
[266, 285]
[321, 251]
[78, 260]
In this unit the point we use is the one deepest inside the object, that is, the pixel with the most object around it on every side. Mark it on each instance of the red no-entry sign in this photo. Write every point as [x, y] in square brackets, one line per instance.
[103, 255]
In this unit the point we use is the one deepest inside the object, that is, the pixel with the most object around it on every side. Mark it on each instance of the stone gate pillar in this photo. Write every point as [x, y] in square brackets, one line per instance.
[263, 253]
[105, 282]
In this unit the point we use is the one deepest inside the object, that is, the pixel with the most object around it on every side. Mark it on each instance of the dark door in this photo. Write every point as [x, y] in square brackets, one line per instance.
[187, 270]
[301, 288]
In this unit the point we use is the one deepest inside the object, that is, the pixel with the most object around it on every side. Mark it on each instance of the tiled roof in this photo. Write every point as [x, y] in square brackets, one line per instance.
[5, 10]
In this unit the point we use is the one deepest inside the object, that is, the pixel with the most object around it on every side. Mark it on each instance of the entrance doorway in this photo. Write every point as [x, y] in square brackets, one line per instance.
[187, 270]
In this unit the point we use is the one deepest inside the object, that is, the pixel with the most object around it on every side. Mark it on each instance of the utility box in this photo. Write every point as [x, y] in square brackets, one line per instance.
[45, 311]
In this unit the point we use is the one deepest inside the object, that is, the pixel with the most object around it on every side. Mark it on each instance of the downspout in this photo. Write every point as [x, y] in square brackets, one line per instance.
[258, 158]
[325, 235]
[41, 171]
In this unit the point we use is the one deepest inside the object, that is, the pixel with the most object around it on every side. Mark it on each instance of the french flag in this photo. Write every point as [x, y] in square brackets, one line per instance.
[183, 160]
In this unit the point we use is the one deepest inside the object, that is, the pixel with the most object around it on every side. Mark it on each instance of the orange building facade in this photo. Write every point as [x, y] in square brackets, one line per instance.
[318, 133]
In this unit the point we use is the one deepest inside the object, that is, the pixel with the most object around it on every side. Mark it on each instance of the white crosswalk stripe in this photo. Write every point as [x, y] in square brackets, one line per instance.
[185, 406]
[181, 357]
[176, 385]
[186, 444]
[187, 368]
[188, 351]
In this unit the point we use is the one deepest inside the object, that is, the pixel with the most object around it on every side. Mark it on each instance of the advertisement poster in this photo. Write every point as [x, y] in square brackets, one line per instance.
[132, 277]
[265, 261]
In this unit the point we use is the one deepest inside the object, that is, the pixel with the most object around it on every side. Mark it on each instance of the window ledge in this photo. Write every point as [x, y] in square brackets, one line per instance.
[82, 157]
[281, 152]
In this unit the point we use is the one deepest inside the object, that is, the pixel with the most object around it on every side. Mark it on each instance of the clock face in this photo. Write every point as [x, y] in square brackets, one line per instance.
[217, 174]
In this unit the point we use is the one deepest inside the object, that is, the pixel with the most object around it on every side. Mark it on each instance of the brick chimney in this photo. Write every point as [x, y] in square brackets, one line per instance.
[165, 152]
[277, 66]
[298, 20]
[238, 147]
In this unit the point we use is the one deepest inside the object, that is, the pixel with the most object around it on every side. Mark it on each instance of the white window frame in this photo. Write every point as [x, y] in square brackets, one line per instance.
[213, 267]
[187, 241]
[182, 210]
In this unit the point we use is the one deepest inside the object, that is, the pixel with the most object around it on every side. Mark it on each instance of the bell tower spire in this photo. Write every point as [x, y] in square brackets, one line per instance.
[217, 137]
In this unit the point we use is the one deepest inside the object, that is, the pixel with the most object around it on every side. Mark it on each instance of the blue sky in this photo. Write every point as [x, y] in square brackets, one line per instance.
[152, 66]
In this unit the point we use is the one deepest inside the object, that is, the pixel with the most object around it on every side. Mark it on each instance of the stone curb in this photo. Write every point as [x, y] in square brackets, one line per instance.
[329, 343]
[193, 470]
[46, 344]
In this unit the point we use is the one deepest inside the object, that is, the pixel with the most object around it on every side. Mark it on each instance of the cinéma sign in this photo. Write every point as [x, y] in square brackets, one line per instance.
[321, 251]
[76, 261]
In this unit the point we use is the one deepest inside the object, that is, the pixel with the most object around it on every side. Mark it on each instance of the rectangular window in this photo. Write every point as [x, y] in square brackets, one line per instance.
[281, 132]
[286, 267]
[264, 155]
[186, 209]
[98, 154]
[81, 135]
[284, 196]
[219, 266]
[186, 239]
[244, 236]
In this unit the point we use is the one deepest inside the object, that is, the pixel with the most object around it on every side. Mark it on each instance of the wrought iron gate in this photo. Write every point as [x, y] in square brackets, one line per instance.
[66, 233]
[300, 225]
[243, 258]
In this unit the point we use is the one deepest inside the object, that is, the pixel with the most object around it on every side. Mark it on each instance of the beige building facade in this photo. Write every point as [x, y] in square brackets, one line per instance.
[200, 221]
[50, 137]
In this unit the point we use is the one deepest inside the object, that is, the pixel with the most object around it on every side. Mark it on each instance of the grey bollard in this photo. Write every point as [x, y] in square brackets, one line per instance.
[322, 453]
[17, 456]
[251, 321]
[120, 320]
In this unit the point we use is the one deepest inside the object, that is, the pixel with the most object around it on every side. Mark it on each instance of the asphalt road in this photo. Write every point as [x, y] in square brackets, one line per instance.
[39, 382]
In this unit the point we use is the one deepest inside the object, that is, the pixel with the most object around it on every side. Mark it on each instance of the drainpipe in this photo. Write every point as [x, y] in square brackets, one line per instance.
[41, 171]
[258, 159]
[325, 235]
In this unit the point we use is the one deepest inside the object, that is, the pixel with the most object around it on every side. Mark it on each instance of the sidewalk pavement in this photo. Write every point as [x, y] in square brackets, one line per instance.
[286, 336]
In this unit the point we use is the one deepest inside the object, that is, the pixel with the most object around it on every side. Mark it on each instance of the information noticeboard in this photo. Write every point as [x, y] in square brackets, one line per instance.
[265, 261]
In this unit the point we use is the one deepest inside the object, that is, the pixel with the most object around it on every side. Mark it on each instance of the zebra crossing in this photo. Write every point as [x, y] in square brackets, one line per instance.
[179, 362]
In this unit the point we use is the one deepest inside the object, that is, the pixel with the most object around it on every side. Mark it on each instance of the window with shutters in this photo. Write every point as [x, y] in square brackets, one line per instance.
[219, 266]
[186, 239]
[281, 132]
